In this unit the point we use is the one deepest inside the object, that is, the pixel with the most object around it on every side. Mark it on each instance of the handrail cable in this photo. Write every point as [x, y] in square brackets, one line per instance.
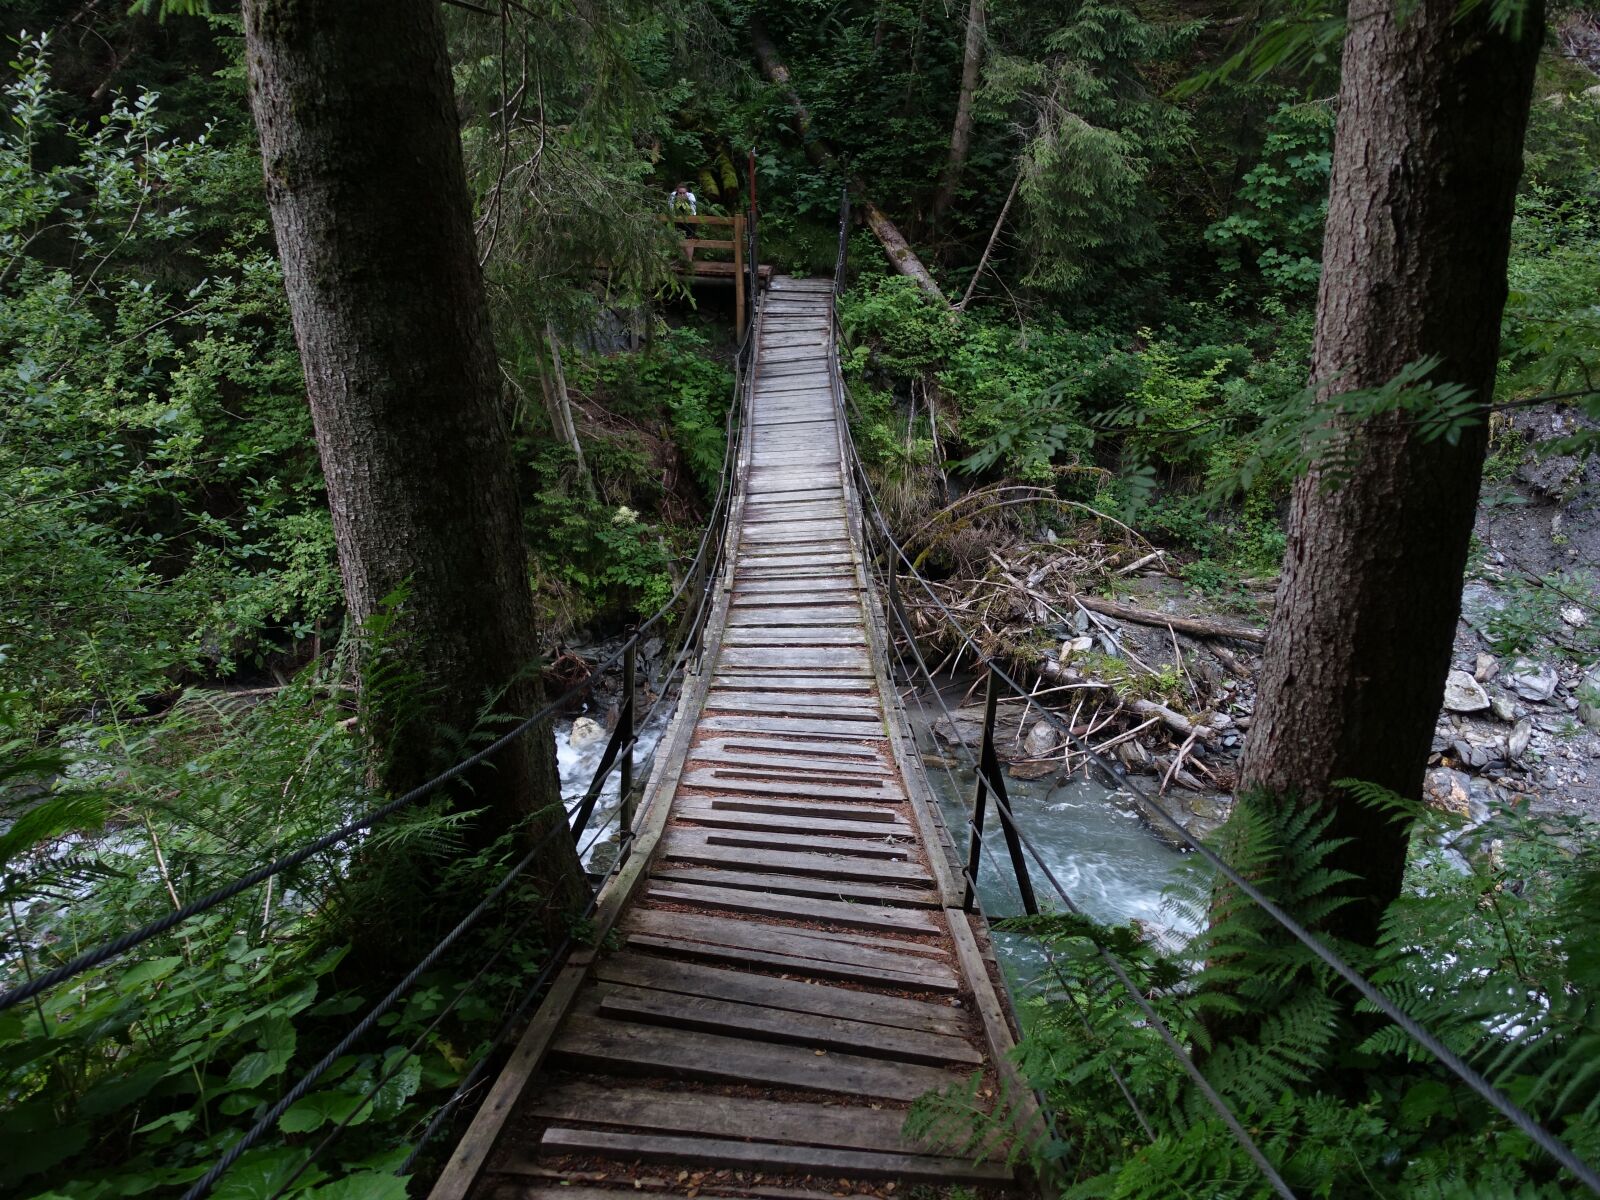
[1535, 1131]
[267, 1120]
[557, 956]
[103, 953]
[1217, 1103]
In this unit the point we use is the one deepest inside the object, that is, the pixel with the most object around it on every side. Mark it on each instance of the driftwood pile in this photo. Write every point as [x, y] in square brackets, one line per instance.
[1133, 681]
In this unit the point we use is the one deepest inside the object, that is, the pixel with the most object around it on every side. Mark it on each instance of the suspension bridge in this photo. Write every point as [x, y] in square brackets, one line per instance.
[786, 951]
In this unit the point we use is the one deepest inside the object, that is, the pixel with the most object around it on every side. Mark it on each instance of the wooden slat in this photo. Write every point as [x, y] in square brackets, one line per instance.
[602, 1044]
[724, 818]
[757, 1023]
[699, 979]
[855, 949]
[800, 885]
[852, 1126]
[792, 964]
[773, 904]
[766, 1156]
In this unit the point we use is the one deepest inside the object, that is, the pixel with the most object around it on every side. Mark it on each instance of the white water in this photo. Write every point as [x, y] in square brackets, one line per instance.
[1102, 854]
[598, 845]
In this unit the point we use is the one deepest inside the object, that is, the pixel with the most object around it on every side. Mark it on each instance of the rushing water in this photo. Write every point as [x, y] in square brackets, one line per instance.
[597, 846]
[1097, 848]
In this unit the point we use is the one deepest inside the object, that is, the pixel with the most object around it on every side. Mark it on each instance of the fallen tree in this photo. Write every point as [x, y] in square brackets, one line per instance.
[894, 244]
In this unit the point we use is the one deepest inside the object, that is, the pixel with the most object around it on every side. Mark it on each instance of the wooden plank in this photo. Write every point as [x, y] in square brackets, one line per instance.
[766, 1156]
[699, 979]
[759, 771]
[819, 656]
[696, 847]
[833, 581]
[853, 1126]
[888, 849]
[723, 818]
[793, 964]
[797, 790]
[804, 908]
[808, 635]
[864, 757]
[818, 614]
[853, 948]
[863, 816]
[808, 727]
[758, 1023]
[601, 1044]
[842, 684]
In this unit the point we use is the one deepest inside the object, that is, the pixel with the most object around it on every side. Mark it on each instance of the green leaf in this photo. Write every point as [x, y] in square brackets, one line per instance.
[148, 972]
[316, 1110]
[369, 1185]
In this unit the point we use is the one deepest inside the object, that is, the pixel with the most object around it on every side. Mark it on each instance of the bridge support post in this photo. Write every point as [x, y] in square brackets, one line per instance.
[625, 730]
[991, 778]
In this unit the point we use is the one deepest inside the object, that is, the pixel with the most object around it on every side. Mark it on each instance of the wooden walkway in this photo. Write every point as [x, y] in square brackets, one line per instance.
[788, 965]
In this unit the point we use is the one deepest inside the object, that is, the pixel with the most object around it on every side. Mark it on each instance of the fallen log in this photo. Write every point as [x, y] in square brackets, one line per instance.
[1205, 729]
[1194, 626]
[900, 253]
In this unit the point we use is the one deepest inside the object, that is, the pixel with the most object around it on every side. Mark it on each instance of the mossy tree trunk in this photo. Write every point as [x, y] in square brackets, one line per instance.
[359, 137]
[1428, 150]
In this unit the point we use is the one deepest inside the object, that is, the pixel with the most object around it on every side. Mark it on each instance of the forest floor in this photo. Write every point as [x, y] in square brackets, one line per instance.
[1521, 722]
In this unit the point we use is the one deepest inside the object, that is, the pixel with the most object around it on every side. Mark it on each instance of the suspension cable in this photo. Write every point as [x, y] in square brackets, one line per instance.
[97, 956]
[1524, 1122]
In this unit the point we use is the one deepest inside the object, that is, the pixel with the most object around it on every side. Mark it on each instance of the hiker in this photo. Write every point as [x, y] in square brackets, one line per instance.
[682, 203]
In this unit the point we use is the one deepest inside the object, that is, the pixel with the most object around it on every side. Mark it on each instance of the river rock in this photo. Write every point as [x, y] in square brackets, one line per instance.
[1133, 755]
[585, 732]
[1589, 698]
[1469, 755]
[1448, 790]
[1463, 693]
[1041, 739]
[1503, 707]
[1484, 668]
[1517, 743]
[1574, 616]
[1531, 680]
[1073, 647]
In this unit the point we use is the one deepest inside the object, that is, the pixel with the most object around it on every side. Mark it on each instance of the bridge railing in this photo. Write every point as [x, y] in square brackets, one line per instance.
[695, 594]
[892, 569]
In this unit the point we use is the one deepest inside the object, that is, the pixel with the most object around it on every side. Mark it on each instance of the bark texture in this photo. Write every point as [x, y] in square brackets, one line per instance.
[961, 130]
[356, 111]
[1427, 154]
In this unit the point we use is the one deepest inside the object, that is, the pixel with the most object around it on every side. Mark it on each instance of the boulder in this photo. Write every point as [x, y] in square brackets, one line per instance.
[1517, 743]
[585, 732]
[1448, 790]
[1463, 693]
[1532, 680]
[1041, 739]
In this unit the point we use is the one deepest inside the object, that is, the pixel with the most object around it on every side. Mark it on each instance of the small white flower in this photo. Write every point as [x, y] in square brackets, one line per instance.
[624, 515]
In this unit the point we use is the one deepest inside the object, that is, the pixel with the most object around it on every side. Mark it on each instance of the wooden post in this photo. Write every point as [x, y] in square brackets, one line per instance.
[738, 273]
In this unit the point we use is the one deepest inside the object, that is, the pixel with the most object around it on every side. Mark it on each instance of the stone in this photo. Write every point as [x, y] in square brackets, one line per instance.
[1041, 739]
[585, 732]
[1133, 755]
[1463, 693]
[1532, 680]
[1517, 742]
[1448, 790]
[652, 648]
[1469, 755]
[1589, 699]
[1574, 616]
[1483, 670]
[1076, 646]
[1503, 707]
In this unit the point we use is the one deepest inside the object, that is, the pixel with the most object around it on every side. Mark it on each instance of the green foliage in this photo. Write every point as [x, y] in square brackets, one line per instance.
[1097, 133]
[1477, 949]
[160, 506]
[137, 1075]
[1281, 204]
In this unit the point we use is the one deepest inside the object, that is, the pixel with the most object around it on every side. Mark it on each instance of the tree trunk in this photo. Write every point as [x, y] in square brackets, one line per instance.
[901, 255]
[356, 111]
[1427, 154]
[961, 131]
[561, 412]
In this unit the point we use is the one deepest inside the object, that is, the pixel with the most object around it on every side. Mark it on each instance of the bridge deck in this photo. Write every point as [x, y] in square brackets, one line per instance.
[789, 966]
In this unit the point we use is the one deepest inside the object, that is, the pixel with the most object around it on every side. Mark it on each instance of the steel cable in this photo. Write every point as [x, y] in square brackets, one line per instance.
[90, 959]
[1535, 1131]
